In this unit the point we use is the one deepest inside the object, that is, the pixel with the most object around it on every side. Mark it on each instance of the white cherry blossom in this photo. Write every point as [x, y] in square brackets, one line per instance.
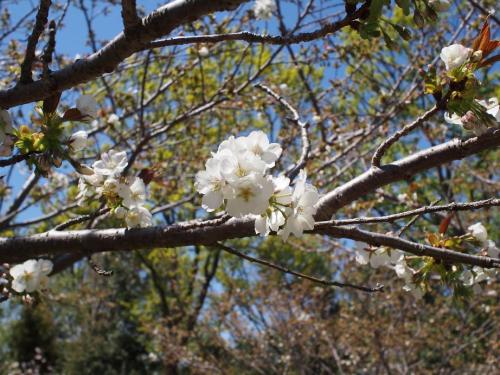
[274, 217]
[133, 194]
[112, 163]
[139, 217]
[470, 121]
[87, 105]
[264, 8]
[479, 232]
[211, 184]
[455, 56]
[30, 275]
[301, 216]
[258, 143]
[251, 196]
[78, 141]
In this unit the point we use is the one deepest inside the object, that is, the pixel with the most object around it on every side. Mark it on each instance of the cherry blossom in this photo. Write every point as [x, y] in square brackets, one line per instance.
[133, 195]
[301, 216]
[30, 275]
[455, 56]
[139, 217]
[251, 196]
[112, 163]
[258, 143]
[87, 106]
[264, 8]
[470, 121]
[479, 232]
[78, 141]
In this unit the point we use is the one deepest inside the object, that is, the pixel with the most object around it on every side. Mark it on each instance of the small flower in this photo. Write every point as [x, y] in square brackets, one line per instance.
[304, 198]
[274, 217]
[87, 106]
[211, 184]
[139, 217]
[251, 196]
[30, 275]
[258, 143]
[112, 163]
[455, 56]
[469, 121]
[120, 212]
[113, 119]
[203, 51]
[264, 9]
[78, 141]
[479, 232]
[133, 195]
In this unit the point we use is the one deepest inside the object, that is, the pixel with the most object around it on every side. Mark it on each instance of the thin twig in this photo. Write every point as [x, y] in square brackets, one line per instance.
[378, 288]
[410, 223]
[419, 211]
[81, 219]
[379, 153]
[304, 126]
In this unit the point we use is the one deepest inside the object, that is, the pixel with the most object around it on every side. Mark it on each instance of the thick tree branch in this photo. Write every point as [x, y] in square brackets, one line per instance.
[375, 178]
[129, 14]
[93, 241]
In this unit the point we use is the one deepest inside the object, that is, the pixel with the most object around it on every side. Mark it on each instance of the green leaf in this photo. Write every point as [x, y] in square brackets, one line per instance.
[405, 5]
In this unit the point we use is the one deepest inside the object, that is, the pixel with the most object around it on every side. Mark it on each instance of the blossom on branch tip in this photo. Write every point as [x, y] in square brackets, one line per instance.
[455, 56]
[478, 231]
[471, 122]
[30, 275]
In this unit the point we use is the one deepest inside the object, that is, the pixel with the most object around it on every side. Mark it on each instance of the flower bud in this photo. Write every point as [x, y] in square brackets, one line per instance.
[477, 56]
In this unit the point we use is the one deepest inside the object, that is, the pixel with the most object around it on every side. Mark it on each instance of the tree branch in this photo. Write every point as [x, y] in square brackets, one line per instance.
[160, 22]
[206, 233]
[40, 22]
[129, 14]
[379, 153]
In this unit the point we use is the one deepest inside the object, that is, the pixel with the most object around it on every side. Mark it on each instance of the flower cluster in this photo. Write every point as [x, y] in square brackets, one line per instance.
[476, 275]
[126, 197]
[264, 9]
[6, 131]
[30, 275]
[236, 177]
[394, 259]
[471, 122]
